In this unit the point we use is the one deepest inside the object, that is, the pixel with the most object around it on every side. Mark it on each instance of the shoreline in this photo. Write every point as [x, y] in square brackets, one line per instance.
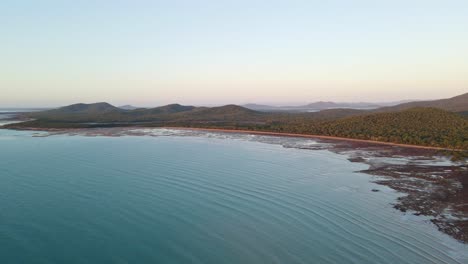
[250, 132]
[280, 134]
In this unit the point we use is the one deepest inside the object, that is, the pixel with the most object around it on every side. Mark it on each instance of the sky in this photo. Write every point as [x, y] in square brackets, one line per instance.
[150, 53]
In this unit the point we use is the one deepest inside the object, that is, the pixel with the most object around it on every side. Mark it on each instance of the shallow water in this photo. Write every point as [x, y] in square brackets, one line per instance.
[199, 199]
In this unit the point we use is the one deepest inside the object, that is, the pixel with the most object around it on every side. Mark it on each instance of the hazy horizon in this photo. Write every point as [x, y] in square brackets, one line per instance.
[221, 103]
[56, 53]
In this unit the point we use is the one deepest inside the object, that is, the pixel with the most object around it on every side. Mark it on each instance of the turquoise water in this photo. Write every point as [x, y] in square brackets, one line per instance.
[173, 199]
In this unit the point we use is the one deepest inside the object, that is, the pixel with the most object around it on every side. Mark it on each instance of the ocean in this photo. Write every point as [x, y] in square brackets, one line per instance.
[199, 199]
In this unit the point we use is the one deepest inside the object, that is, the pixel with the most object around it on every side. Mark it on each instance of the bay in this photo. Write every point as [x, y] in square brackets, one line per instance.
[199, 199]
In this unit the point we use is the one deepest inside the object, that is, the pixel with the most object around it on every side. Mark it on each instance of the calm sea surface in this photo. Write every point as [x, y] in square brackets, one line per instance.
[174, 199]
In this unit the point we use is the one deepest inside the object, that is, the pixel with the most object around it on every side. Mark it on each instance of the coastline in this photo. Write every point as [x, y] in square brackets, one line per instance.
[251, 132]
[280, 134]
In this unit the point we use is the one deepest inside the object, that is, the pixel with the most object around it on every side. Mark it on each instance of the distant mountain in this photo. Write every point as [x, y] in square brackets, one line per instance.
[106, 113]
[260, 107]
[225, 110]
[83, 109]
[336, 113]
[129, 107]
[231, 113]
[454, 104]
[328, 105]
[316, 106]
[382, 104]
[169, 109]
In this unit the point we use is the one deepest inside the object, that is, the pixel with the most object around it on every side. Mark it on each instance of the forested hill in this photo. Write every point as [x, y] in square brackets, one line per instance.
[104, 112]
[417, 126]
[92, 109]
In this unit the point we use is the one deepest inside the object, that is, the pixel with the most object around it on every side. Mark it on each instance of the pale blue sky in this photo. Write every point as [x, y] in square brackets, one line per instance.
[216, 52]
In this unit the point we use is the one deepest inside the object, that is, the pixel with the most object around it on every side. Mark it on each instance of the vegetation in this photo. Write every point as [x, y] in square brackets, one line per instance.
[417, 126]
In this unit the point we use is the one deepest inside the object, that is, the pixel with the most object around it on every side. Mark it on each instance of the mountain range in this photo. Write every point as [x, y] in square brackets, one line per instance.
[316, 106]
[128, 107]
[441, 123]
[329, 109]
[455, 104]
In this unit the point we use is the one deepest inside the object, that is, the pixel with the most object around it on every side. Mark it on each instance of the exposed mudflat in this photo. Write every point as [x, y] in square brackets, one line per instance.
[433, 185]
